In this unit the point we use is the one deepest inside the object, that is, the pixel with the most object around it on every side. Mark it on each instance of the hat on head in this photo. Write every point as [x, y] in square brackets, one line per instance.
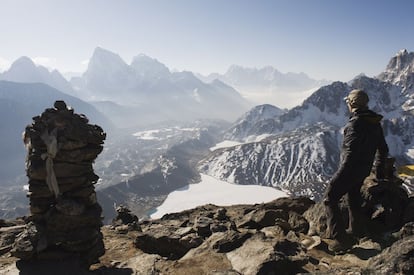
[357, 99]
[60, 105]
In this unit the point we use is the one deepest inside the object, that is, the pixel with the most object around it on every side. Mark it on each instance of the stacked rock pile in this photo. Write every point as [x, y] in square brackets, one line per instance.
[125, 221]
[65, 216]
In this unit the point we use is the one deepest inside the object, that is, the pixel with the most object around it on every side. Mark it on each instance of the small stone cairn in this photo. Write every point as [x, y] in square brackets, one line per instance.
[125, 220]
[65, 219]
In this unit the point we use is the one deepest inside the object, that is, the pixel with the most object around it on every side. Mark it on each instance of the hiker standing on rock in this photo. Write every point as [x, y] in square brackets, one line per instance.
[363, 142]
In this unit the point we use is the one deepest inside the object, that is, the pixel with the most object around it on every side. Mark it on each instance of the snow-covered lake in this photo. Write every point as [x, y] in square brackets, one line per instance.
[212, 190]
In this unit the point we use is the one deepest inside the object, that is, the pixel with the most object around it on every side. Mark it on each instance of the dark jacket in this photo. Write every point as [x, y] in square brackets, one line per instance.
[363, 140]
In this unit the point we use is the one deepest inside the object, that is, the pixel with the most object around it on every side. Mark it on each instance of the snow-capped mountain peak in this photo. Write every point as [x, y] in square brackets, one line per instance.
[252, 123]
[105, 60]
[22, 62]
[24, 70]
[146, 66]
[261, 112]
[402, 52]
[400, 69]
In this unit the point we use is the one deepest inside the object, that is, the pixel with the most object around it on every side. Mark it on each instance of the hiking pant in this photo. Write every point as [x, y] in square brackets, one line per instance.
[340, 185]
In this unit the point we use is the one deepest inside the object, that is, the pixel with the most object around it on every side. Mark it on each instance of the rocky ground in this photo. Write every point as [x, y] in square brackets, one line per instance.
[284, 236]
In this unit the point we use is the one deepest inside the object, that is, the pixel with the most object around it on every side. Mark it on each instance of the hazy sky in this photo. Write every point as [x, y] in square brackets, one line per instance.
[328, 39]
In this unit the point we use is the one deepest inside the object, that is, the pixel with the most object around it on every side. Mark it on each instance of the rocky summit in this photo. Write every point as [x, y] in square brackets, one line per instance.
[285, 236]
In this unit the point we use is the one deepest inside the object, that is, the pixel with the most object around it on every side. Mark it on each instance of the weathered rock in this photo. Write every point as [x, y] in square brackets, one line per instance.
[29, 242]
[220, 227]
[397, 259]
[230, 240]
[281, 212]
[258, 219]
[165, 241]
[298, 223]
[407, 230]
[221, 214]
[202, 226]
[298, 205]
[259, 255]
[274, 231]
[316, 217]
[384, 203]
[8, 235]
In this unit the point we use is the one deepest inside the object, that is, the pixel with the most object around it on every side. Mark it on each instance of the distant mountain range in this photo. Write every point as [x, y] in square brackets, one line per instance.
[301, 148]
[268, 85]
[127, 93]
[141, 93]
[151, 93]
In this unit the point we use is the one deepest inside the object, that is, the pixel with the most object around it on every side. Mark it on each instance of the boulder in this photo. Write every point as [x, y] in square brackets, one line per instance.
[259, 255]
[166, 244]
[396, 259]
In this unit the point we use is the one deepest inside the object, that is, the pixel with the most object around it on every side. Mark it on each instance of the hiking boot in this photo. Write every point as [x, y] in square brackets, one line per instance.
[338, 247]
[341, 245]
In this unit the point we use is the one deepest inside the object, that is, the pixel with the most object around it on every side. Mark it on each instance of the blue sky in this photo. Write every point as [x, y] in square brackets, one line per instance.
[328, 39]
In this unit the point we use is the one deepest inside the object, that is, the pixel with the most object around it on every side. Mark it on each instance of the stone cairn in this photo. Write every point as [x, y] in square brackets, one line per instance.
[125, 220]
[65, 218]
